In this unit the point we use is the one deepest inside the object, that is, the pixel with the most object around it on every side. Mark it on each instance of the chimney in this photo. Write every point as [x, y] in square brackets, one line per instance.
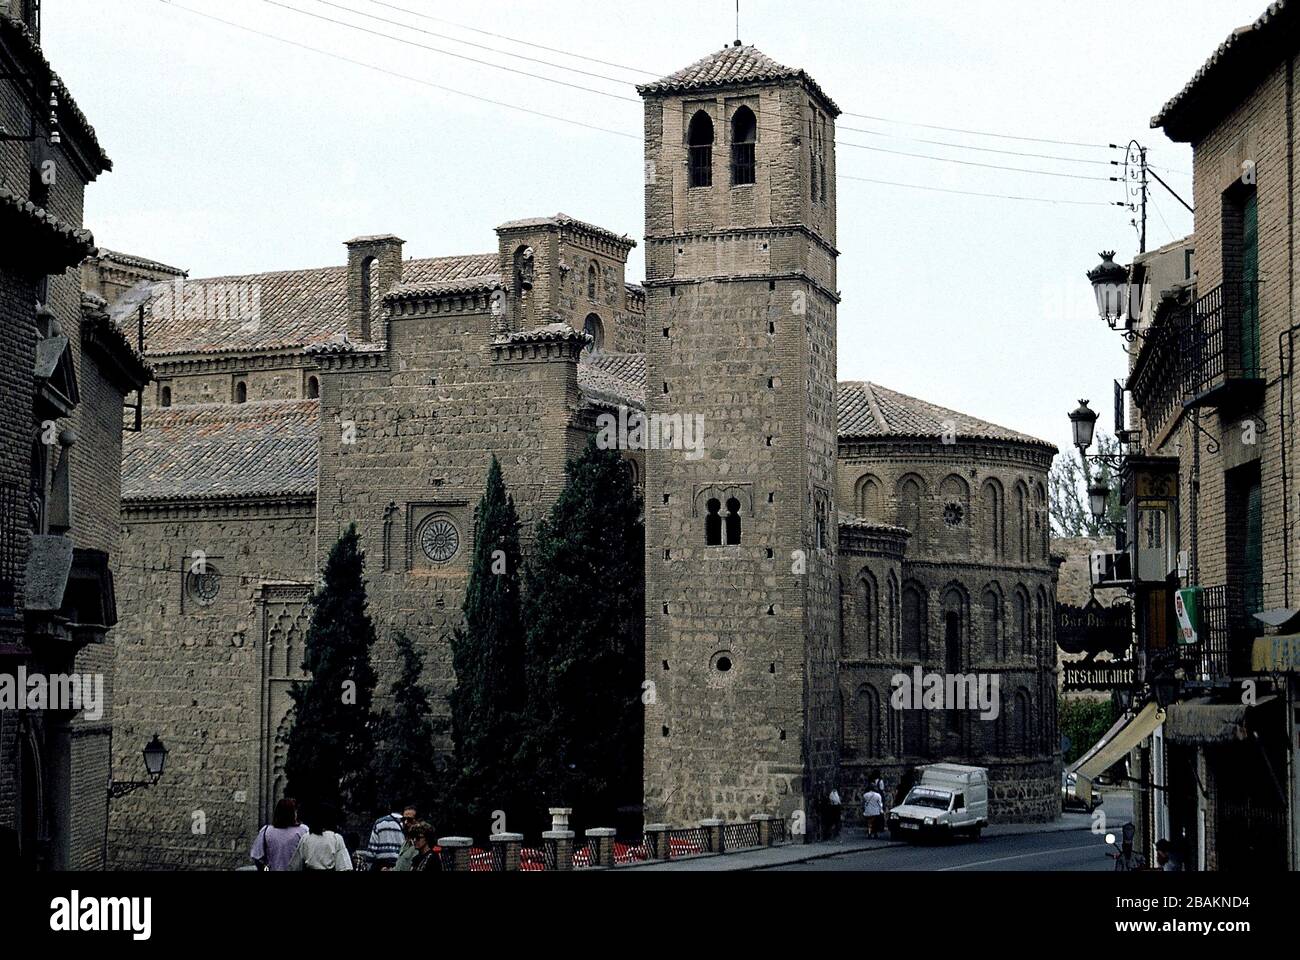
[374, 268]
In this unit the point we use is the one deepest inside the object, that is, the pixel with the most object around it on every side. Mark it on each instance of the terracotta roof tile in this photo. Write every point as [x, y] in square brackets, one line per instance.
[285, 309]
[613, 378]
[732, 66]
[222, 450]
[869, 410]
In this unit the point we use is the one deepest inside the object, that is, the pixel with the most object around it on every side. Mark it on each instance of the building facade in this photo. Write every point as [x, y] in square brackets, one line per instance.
[1208, 481]
[68, 367]
[288, 405]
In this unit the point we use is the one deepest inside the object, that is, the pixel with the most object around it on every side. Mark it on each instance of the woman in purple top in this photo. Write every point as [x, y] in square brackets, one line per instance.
[277, 841]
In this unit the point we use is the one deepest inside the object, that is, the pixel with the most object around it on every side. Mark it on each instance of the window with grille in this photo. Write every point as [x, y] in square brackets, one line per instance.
[699, 139]
[744, 131]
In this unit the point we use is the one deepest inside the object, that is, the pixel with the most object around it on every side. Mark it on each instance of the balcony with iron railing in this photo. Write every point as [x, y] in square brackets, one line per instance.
[1200, 354]
[1227, 632]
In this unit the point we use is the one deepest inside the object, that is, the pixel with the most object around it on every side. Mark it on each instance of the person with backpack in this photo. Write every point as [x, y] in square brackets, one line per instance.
[278, 840]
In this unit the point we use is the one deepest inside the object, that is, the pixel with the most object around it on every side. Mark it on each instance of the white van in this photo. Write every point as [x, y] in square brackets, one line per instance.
[949, 800]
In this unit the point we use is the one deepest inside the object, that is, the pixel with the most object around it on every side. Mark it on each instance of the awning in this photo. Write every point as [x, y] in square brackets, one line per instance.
[1277, 654]
[1204, 722]
[1114, 745]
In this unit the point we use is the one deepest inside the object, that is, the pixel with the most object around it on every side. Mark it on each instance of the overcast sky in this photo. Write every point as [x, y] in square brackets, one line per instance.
[236, 153]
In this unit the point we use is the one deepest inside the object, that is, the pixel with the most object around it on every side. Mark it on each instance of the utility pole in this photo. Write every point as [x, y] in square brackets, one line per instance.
[1136, 169]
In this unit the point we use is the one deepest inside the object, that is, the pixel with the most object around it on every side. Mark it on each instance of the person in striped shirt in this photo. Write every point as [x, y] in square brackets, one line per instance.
[387, 837]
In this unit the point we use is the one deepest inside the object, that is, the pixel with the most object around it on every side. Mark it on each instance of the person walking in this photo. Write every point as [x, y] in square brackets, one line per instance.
[410, 818]
[277, 841]
[322, 848]
[872, 811]
[427, 856]
[387, 837]
[834, 809]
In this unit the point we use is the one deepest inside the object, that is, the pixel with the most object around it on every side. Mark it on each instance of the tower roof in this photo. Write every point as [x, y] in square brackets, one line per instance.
[733, 66]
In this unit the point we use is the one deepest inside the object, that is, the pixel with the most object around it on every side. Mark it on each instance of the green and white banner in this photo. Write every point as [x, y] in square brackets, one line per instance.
[1187, 606]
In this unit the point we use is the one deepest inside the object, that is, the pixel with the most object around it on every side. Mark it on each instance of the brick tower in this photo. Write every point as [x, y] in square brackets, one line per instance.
[741, 598]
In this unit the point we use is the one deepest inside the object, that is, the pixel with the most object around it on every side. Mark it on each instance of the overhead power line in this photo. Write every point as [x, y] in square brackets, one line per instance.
[526, 43]
[589, 126]
[400, 76]
[450, 53]
[471, 43]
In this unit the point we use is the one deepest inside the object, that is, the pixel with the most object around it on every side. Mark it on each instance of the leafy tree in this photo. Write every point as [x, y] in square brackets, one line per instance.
[487, 704]
[1084, 721]
[585, 612]
[330, 742]
[1068, 493]
[405, 769]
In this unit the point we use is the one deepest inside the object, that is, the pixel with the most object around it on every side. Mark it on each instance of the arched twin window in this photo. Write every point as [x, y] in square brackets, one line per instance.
[744, 133]
[715, 524]
[699, 142]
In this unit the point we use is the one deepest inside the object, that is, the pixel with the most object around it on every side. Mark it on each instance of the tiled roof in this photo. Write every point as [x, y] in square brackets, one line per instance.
[613, 378]
[1238, 63]
[143, 263]
[871, 411]
[77, 242]
[567, 222]
[444, 288]
[733, 66]
[558, 330]
[222, 450]
[292, 308]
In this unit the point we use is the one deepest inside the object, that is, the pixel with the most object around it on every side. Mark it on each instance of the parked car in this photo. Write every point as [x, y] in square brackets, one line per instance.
[950, 800]
[1070, 800]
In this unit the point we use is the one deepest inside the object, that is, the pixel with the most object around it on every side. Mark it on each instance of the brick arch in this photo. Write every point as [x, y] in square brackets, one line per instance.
[866, 726]
[993, 627]
[1021, 621]
[915, 616]
[866, 590]
[954, 606]
[909, 499]
[992, 520]
[1020, 522]
[869, 498]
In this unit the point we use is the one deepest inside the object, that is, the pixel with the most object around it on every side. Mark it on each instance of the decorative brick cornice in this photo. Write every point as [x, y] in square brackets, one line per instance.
[774, 230]
[799, 275]
[858, 538]
[179, 365]
[900, 448]
[216, 508]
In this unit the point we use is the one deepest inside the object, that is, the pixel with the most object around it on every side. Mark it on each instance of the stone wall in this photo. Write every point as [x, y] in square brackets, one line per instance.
[194, 666]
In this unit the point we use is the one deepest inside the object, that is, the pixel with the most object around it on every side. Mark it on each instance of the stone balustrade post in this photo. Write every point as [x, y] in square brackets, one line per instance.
[656, 841]
[562, 841]
[602, 839]
[459, 847]
[713, 829]
[505, 850]
[764, 821]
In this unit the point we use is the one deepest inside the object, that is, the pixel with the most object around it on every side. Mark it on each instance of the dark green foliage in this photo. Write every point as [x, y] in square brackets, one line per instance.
[1068, 492]
[585, 612]
[405, 770]
[330, 745]
[1084, 721]
[487, 705]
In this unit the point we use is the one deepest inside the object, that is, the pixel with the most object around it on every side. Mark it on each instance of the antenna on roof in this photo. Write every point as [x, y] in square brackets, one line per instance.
[737, 22]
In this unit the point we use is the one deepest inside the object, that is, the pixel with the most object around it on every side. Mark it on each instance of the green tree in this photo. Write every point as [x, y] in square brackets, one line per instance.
[1084, 721]
[330, 743]
[487, 704]
[585, 612]
[1068, 492]
[405, 768]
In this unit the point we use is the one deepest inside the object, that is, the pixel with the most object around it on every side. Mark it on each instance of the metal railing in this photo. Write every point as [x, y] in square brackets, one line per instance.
[737, 835]
[1227, 630]
[1186, 359]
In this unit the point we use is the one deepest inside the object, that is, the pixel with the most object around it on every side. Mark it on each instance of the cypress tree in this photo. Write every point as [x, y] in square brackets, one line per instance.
[330, 745]
[487, 655]
[585, 613]
[405, 770]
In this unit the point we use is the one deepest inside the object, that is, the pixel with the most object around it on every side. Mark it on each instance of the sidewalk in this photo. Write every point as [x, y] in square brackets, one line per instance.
[853, 840]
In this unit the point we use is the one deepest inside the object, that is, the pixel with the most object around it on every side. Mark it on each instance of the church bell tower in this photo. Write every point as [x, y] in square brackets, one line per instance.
[741, 598]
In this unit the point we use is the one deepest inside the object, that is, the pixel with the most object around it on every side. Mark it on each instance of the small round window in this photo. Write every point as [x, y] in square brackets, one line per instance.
[203, 587]
[439, 539]
[952, 514]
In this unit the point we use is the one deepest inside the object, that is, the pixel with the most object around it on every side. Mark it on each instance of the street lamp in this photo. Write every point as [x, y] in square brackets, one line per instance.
[155, 761]
[1083, 421]
[1098, 498]
[1109, 284]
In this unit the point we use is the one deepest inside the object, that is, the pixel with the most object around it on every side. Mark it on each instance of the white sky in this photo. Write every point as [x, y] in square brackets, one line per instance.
[236, 153]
